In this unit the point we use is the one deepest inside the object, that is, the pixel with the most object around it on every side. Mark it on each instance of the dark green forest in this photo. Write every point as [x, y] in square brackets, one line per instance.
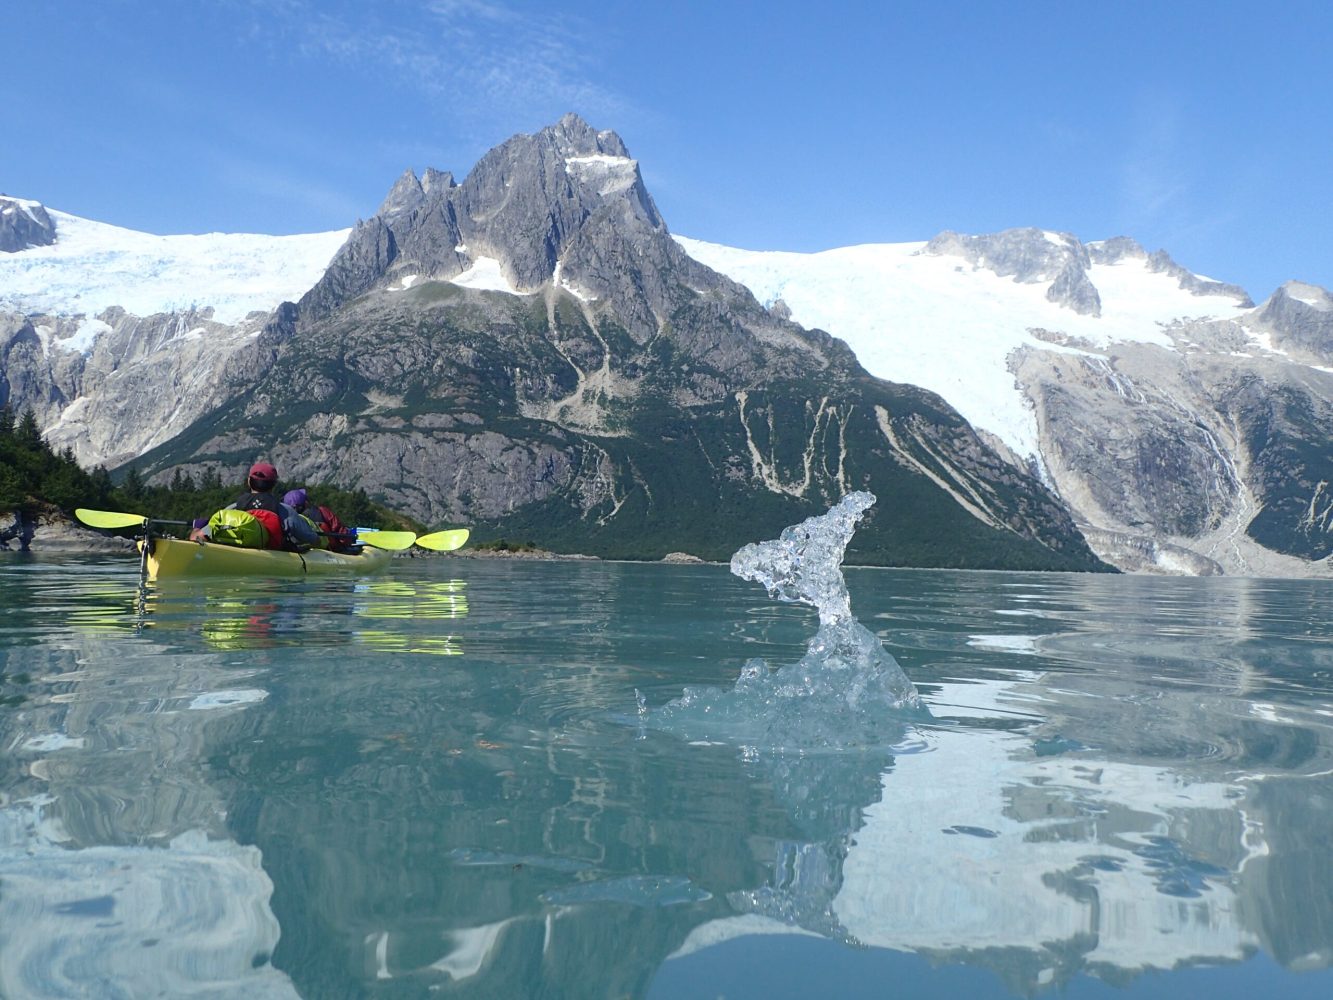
[40, 480]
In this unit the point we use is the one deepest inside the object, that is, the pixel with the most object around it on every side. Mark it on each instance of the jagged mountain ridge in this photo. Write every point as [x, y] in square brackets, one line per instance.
[431, 228]
[620, 397]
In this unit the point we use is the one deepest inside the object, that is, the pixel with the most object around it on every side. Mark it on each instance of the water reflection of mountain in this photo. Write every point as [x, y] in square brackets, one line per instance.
[984, 849]
[116, 864]
[476, 825]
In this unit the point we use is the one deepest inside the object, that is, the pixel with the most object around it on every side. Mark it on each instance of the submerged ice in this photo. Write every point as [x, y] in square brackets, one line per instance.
[846, 691]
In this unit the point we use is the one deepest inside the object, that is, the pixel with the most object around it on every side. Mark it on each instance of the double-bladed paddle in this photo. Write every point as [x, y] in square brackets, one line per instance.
[111, 519]
[393, 541]
[445, 541]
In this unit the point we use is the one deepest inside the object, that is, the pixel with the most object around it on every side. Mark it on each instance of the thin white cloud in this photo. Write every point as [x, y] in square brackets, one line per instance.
[263, 181]
[1154, 184]
[473, 60]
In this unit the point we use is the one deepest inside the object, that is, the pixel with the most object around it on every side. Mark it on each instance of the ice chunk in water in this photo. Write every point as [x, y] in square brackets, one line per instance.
[805, 562]
[847, 691]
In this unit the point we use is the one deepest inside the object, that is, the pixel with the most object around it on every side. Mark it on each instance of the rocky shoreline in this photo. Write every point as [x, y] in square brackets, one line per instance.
[58, 536]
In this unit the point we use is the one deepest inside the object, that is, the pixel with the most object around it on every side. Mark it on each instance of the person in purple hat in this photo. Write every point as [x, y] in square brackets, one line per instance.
[333, 533]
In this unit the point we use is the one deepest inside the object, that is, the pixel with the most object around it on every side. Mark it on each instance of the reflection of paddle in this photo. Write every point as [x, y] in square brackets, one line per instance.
[445, 541]
[394, 541]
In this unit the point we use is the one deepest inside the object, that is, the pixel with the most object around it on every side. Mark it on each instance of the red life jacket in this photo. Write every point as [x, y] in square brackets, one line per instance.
[268, 512]
[328, 522]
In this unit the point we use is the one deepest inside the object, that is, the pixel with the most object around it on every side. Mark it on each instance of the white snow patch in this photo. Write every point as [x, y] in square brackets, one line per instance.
[598, 159]
[611, 174]
[558, 279]
[923, 319]
[487, 275]
[1263, 340]
[92, 266]
[1310, 295]
[84, 337]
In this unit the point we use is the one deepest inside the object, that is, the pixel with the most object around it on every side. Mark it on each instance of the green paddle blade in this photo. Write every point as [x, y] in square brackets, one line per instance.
[445, 541]
[110, 518]
[394, 541]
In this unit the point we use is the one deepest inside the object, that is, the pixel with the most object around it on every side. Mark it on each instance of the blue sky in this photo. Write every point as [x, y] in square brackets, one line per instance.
[1199, 128]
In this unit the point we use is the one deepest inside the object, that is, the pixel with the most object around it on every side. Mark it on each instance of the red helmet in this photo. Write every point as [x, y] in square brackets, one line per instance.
[262, 476]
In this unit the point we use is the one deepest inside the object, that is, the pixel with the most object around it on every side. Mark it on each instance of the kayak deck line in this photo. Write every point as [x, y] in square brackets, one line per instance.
[172, 558]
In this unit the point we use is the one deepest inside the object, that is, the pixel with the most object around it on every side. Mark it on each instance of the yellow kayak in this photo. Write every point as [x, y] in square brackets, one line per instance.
[171, 558]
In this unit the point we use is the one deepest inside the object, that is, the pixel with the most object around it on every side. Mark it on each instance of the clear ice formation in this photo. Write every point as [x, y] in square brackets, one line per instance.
[847, 691]
[805, 563]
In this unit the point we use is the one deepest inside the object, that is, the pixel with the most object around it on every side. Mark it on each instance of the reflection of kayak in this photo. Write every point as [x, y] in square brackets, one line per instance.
[173, 558]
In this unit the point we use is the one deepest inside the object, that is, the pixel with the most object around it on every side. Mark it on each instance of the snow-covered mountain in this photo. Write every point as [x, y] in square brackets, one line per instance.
[90, 266]
[118, 339]
[915, 313]
[1185, 428]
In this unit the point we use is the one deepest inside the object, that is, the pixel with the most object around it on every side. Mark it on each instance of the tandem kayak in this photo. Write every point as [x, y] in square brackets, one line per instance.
[171, 558]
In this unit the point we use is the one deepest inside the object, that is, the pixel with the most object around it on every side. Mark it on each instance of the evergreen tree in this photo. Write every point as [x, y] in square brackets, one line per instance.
[182, 482]
[100, 486]
[27, 433]
[12, 493]
[133, 487]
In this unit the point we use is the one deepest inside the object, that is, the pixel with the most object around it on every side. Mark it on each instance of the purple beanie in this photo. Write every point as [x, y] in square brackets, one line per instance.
[295, 498]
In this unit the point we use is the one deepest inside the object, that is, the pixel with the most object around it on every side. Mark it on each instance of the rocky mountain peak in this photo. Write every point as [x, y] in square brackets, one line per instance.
[404, 196]
[436, 180]
[1299, 317]
[1029, 256]
[1120, 248]
[24, 224]
[565, 204]
[1116, 249]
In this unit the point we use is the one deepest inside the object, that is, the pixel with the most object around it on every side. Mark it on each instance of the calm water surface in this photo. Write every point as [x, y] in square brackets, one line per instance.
[439, 783]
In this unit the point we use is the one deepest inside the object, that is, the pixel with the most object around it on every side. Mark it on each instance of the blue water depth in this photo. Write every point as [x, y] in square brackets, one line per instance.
[451, 781]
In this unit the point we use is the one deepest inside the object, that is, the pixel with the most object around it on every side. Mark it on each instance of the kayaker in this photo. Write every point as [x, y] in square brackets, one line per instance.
[260, 501]
[284, 527]
[333, 532]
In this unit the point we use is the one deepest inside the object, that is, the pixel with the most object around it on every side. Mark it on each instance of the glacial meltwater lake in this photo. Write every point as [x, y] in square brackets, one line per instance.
[456, 780]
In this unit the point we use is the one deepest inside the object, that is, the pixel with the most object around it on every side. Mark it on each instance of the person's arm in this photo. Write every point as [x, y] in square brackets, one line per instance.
[297, 528]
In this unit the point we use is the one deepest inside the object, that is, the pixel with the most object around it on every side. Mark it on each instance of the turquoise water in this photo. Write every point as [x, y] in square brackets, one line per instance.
[450, 781]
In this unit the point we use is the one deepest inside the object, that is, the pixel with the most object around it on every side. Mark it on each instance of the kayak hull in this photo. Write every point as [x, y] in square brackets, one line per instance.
[171, 558]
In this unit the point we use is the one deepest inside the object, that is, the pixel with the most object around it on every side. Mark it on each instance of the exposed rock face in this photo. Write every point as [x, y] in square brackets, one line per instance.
[24, 224]
[1030, 256]
[1203, 458]
[112, 387]
[619, 399]
[1299, 317]
[565, 207]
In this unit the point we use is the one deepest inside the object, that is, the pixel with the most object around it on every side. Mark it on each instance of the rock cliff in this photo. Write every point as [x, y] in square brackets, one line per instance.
[24, 224]
[529, 351]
